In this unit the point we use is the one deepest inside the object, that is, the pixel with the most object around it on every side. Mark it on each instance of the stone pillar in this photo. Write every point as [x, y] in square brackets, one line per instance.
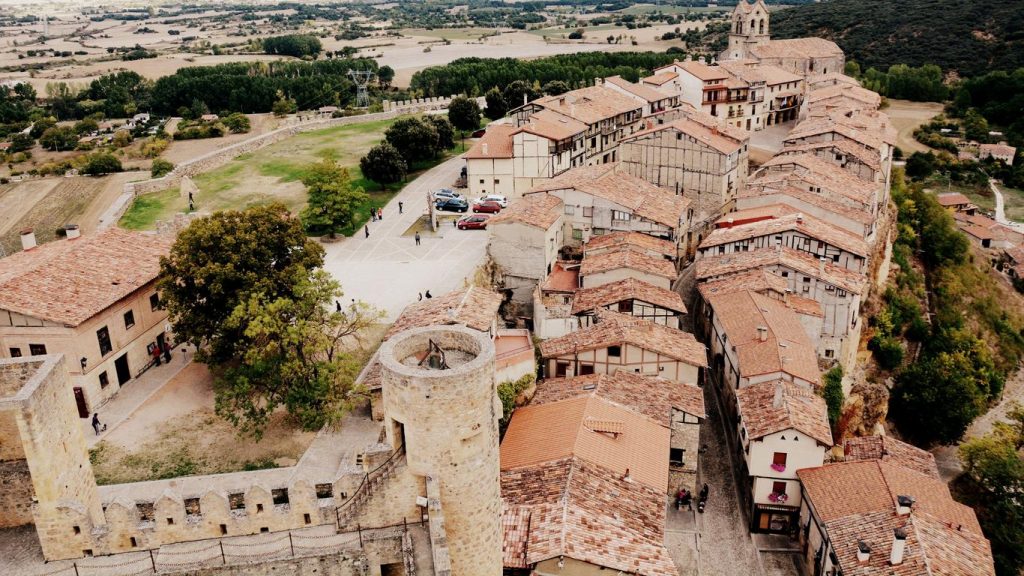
[448, 420]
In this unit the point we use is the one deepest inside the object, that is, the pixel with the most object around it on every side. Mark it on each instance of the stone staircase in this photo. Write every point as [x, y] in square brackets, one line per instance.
[372, 483]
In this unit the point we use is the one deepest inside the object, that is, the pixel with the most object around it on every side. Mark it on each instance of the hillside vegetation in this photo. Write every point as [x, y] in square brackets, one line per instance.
[970, 37]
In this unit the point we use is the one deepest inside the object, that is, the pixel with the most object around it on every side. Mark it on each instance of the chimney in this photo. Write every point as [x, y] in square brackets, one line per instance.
[762, 333]
[626, 477]
[821, 264]
[899, 544]
[484, 147]
[701, 60]
[72, 231]
[28, 239]
[903, 505]
[561, 101]
[799, 217]
[777, 399]
[863, 552]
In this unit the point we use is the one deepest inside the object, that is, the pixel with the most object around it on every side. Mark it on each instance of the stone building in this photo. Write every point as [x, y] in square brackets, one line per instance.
[782, 427]
[524, 242]
[601, 199]
[552, 301]
[654, 101]
[609, 267]
[429, 374]
[811, 173]
[623, 343]
[781, 197]
[887, 514]
[749, 38]
[92, 298]
[633, 297]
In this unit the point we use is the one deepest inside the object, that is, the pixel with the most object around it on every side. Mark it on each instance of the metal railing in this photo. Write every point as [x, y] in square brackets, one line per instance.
[362, 492]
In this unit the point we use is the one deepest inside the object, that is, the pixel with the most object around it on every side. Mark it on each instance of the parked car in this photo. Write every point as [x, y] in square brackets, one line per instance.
[501, 200]
[489, 206]
[479, 133]
[452, 204]
[446, 193]
[474, 222]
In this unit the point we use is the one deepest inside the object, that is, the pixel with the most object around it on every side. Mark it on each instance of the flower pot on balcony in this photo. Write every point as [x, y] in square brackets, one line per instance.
[779, 467]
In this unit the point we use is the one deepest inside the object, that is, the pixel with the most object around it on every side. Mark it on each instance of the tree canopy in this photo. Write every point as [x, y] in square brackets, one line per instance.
[297, 45]
[464, 113]
[383, 164]
[333, 198]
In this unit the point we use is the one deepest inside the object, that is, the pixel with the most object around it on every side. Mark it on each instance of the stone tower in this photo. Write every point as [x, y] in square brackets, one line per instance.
[440, 401]
[750, 28]
[44, 462]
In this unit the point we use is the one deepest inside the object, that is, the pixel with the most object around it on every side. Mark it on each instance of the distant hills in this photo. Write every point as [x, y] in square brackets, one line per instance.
[970, 37]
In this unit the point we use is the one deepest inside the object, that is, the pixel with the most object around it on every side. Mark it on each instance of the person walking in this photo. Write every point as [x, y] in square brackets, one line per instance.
[156, 354]
[96, 423]
[417, 238]
[421, 297]
[380, 213]
[167, 352]
[400, 206]
[337, 305]
[373, 215]
[427, 294]
[366, 230]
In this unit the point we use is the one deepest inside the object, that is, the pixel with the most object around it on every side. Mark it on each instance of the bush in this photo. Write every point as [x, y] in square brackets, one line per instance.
[832, 392]
[161, 167]
[888, 351]
[101, 163]
[508, 392]
[238, 123]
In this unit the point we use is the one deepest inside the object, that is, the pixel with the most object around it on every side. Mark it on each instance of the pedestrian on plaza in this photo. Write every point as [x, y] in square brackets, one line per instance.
[96, 423]
[417, 238]
[337, 305]
[421, 297]
[373, 215]
[427, 294]
[167, 352]
[400, 206]
[380, 213]
[156, 352]
[189, 196]
[366, 230]
[191, 205]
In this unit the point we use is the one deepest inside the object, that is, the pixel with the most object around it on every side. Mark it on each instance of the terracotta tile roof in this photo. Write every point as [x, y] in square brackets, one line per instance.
[712, 137]
[785, 346]
[773, 75]
[857, 501]
[651, 396]
[588, 299]
[712, 122]
[497, 140]
[818, 126]
[626, 240]
[755, 214]
[626, 258]
[757, 280]
[617, 329]
[589, 514]
[845, 91]
[541, 211]
[639, 90]
[637, 195]
[804, 306]
[804, 224]
[769, 407]
[70, 281]
[564, 277]
[1015, 254]
[889, 449]
[998, 150]
[590, 105]
[831, 79]
[797, 48]
[552, 431]
[716, 266]
[786, 194]
[553, 125]
[813, 170]
[703, 71]
[660, 78]
[952, 199]
[474, 307]
[746, 70]
[863, 155]
[977, 231]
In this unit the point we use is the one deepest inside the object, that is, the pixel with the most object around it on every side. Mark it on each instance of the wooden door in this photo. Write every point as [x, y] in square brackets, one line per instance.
[83, 408]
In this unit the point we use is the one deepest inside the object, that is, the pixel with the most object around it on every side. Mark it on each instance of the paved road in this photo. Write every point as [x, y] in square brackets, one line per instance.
[1001, 208]
[388, 270]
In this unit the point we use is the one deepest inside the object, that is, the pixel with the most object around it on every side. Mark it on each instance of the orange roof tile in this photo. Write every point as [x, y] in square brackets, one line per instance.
[776, 406]
[660, 78]
[542, 211]
[709, 136]
[638, 90]
[804, 224]
[787, 194]
[889, 449]
[846, 147]
[797, 48]
[564, 277]
[681, 346]
[625, 240]
[474, 307]
[952, 199]
[553, 125]
[756, 280]
[810, 169]
[781, 347]
[651, 396]
[703, 71]
[590, 105]
[717, 266]
[497, 142]
[552, 431]
[70, 281]
[625, 258]
[588, 299]
[637, 195]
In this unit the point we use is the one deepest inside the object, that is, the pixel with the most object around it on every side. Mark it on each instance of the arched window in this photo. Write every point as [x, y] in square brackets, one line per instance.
[739, 26]
[760, 28]
[753, 24]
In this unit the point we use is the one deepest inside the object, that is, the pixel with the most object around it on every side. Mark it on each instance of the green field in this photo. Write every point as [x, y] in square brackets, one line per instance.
[274, 173]
[649, 8]
[449, 33]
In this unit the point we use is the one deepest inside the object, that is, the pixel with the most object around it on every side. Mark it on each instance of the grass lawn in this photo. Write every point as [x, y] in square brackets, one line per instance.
[1014, 199]
[274, 174]
[981, 196]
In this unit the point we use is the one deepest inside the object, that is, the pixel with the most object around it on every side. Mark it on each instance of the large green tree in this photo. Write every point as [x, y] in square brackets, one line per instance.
[58, 139]
[383, 164]
[333, 198]
[464, 113]
[414, 138]
[219, 260]
[937, 398]
[496, 105]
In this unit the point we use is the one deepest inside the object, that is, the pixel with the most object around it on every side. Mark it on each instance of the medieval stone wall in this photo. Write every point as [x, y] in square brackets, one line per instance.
[15, 494]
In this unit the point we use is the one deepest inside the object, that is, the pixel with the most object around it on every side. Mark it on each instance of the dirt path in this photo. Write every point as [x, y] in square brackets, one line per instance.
[18, 198]
[89, 220]
[906, 116]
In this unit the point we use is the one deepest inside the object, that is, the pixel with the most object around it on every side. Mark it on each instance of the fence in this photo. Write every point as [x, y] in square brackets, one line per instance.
[362, 492]
[234, 551]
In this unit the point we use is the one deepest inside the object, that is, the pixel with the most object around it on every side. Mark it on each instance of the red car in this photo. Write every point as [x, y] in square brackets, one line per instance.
[472, 223]
[487, 206]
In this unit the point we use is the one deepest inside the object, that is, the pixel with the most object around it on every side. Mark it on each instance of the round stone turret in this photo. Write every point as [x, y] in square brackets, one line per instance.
[440, 401]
